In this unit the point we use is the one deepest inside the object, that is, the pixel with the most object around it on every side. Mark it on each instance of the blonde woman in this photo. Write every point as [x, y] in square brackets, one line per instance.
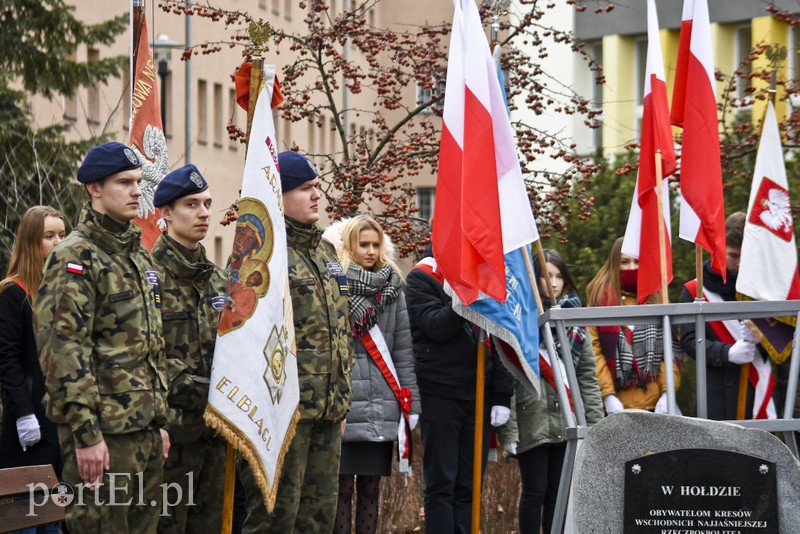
[385, 406]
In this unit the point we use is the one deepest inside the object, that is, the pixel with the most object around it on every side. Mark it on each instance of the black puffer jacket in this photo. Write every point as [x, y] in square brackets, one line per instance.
[446, 345]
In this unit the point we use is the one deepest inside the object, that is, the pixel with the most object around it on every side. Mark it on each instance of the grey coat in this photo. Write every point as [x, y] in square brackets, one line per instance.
[374, 414]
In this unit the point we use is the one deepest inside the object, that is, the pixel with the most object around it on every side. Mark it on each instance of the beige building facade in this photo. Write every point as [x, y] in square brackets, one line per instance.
[199, 95]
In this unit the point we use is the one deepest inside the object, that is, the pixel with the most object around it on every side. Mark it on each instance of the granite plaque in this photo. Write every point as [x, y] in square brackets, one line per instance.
[708, 491]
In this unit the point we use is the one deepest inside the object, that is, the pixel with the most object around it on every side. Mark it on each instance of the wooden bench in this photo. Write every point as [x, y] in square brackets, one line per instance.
[14, 482]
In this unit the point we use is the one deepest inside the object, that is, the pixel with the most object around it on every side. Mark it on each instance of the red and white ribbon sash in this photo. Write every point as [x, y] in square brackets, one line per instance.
[760, 377]
[379, 352]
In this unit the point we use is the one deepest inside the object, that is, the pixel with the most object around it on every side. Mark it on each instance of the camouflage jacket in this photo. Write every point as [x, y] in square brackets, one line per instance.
[320, 302]
[192, 297]
[98, 329]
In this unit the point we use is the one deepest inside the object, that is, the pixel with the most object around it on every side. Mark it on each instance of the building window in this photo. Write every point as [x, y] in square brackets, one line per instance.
[93, 93]
[742, 65]
[312, 136]
[218, 251]
[262, 4]
[371, 17]
[426, 197]
[202, 112]
[287, 9]
[71, 102]
[640, 59]
[233, 109]
[287, 135]
[332, 131]
[427, 94]
[276, 7]
[219, 127]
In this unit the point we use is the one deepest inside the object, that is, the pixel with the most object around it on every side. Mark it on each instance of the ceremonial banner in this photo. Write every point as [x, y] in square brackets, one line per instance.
[694, 107]
[147, 137]
[254, 392]
[510, 313]
[641, 235]
[768, 264]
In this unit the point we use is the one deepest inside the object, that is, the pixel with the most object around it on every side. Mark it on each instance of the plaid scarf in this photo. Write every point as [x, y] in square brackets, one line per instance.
[370, 291]
[635, 356]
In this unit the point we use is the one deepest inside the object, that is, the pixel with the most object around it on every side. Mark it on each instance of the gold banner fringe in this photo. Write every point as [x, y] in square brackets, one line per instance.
[775, 355]
[224, 427]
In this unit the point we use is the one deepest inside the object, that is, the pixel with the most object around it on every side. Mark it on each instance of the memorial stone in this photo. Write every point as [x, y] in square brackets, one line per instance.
[612, 448]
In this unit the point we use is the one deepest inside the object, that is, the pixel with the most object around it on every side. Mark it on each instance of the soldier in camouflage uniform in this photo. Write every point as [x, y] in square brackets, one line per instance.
[192, 296]
[309, 480]
[98, 329]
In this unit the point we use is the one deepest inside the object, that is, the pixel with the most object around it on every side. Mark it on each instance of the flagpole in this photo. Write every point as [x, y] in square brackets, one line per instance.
[137, 14]
[662, 245]
[477, 451]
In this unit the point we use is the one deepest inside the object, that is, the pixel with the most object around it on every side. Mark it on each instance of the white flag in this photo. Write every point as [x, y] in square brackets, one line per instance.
[254, 391]
[768, 264]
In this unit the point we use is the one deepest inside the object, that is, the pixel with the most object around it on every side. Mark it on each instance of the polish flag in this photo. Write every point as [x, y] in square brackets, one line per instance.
[768, 265]
[641, 236]
[482, 208]
[147, 137]
[694, 107]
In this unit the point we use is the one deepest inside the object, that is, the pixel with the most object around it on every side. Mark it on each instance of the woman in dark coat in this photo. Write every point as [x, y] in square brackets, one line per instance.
[27, 437]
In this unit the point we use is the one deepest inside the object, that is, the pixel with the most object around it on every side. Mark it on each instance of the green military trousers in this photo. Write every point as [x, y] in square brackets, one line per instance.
[194, 477]
[308, 486]
[129, 501]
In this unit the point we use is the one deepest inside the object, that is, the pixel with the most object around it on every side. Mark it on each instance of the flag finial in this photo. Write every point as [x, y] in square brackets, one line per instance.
[260, 31]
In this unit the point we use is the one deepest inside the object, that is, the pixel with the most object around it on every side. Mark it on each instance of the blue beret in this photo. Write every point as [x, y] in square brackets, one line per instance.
[181, 182]
[105, 160]
[295, 170]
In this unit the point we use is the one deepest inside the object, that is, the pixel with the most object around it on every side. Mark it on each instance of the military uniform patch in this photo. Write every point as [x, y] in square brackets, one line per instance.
[131, 156]
[341, 279]
[196, 180]
[218, 302]
[74, 268]
[152, 279]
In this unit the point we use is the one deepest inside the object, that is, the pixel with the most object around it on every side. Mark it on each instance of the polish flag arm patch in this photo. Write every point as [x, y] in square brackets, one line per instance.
[74, 268]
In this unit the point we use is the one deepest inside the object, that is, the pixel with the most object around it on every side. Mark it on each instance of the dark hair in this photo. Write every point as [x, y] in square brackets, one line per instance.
[734, 229]
[551, 255]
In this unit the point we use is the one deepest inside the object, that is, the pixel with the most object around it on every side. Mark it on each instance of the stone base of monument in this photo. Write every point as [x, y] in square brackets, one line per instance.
[639, 472]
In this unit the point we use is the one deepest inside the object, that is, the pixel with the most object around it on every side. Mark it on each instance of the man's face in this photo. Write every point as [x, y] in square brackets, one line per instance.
[187, 218]
[732, 256]
[117, 195]
[302, 202]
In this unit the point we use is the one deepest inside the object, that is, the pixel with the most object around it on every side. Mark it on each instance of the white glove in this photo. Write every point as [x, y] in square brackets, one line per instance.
[661, 405]
[741, 352]
[612, 404]
[511, 448]
[28, 431]
[500, 415]
[413, 419]
[748, 335]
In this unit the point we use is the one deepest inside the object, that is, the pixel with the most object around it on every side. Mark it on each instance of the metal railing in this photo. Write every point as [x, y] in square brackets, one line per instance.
[667, 315]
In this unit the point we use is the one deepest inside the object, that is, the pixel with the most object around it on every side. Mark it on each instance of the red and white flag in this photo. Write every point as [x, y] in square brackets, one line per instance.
[641, 236]
[694, 107]
[147, 137]
[479, 170]
[768, 265]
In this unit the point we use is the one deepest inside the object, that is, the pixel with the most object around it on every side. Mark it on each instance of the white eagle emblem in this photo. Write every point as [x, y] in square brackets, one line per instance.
[155, 164]
[777, 214]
